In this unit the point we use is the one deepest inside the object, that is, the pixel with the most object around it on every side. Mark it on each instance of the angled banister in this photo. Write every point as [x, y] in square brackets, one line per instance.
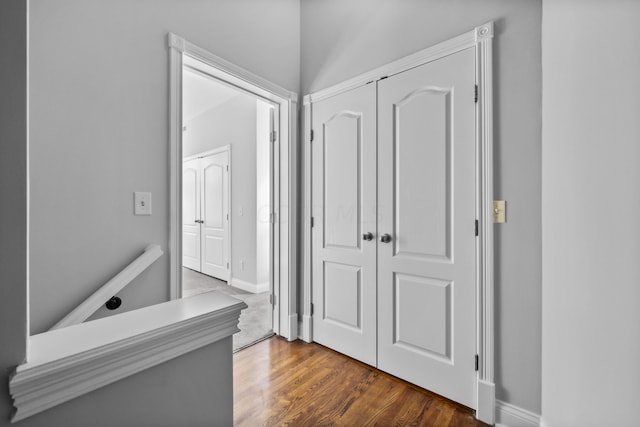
[112, 287]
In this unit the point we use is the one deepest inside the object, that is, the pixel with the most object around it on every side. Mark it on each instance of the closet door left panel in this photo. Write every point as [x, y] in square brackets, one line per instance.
[191, 214]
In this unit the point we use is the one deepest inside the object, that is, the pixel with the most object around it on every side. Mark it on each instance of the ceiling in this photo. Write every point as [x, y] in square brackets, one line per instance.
[201, 93]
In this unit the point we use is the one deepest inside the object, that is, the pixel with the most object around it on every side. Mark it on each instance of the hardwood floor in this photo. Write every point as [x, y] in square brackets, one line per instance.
[280, 383]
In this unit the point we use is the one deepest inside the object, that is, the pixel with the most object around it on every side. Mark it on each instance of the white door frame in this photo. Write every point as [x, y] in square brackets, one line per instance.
[479, 38]
[285, 322]
[222, 149]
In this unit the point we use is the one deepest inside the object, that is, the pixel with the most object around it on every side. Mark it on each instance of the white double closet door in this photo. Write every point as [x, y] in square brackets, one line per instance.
[205, 215]
[394, 234]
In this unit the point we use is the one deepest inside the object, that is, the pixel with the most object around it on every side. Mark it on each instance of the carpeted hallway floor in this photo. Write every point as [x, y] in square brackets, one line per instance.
[255, 321]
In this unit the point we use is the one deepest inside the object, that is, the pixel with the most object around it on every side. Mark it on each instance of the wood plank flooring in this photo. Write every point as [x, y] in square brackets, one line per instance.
[278, 383]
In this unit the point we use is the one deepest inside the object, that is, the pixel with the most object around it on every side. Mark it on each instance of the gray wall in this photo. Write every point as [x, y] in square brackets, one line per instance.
[13, 194]
[191, 390]
[233, 123]
[100, 77]
[590, 212]
[341, 39]
[99, 130]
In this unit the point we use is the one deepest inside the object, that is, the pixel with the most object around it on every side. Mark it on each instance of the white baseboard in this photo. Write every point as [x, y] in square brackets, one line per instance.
[293, 327]
[254, 288]
[304, 329]
[486, 410]
[508, 415]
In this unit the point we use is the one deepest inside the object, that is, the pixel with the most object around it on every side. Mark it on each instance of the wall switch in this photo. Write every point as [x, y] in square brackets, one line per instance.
[499, 211]
[142, 203]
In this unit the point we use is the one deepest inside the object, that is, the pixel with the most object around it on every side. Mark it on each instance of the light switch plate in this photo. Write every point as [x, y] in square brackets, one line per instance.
[142, 203]
[499, 211]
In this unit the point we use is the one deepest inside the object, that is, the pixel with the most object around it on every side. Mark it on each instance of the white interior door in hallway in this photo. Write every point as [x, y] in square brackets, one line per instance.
[394, 215]
[205, 214]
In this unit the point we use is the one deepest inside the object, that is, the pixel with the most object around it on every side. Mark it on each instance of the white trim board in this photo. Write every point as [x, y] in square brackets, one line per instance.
[480, 38]
[69, 362]
[508, 415]
[484, 210]
[440, 50]
[284, 203]
[239, 76]
[254, 288]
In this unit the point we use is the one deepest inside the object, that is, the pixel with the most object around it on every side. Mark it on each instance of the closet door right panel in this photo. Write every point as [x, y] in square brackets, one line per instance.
[191, 214]
[215, 214]
[426, 196]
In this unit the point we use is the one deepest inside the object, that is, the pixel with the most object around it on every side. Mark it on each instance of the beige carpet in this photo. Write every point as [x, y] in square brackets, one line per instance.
[255, 321]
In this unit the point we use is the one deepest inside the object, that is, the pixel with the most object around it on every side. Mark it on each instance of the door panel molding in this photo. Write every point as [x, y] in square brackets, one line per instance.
[437, 347]
[350, 297]
[346, 217]
[417, 244]
[480, 38]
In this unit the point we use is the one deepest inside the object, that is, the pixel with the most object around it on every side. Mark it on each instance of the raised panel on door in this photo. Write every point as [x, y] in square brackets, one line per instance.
[426, 194]
[344, 199]
[215, 220]
[191, 214]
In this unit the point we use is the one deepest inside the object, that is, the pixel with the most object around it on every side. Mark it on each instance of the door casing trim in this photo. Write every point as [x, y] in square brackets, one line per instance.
[284, 198]
[479, 38]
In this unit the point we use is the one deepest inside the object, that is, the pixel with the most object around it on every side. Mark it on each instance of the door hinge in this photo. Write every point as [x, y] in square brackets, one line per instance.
[272, 299]
[476, 94]
[227, 217]
[227, 168]
[312, 222]
[311, 136]
[273, 218]
[311, 314]
[477, 227]
[227, 266]
[273, 135]
[477, 362]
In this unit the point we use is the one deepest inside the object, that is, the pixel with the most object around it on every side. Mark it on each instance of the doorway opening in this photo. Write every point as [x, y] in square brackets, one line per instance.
[284, 205]
[227, 197]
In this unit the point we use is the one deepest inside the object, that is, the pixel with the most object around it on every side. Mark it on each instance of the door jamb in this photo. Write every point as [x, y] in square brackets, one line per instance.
[479, 38]
[284, 207]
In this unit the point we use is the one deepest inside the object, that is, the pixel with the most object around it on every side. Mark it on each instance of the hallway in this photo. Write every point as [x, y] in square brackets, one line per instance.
[255, 321]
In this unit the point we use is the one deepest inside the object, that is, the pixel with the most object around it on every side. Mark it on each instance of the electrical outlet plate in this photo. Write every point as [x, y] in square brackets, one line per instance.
[499, 211]
[142, 203]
